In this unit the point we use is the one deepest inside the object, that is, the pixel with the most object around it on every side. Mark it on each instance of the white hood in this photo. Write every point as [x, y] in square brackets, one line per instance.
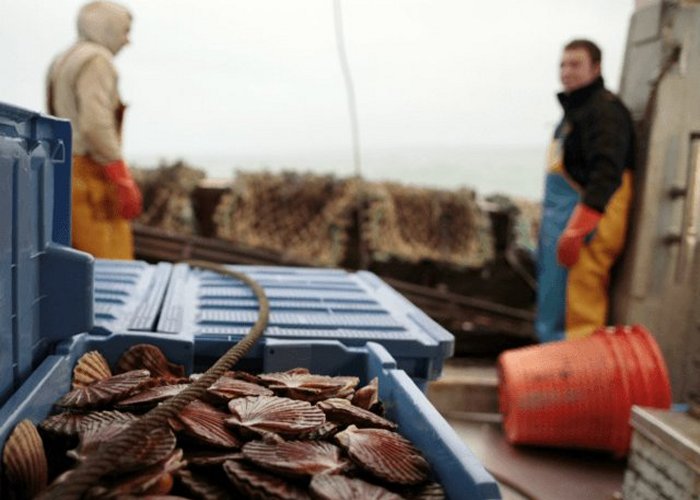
[105, 23]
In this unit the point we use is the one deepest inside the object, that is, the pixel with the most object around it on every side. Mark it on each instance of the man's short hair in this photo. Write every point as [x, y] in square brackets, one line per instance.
[590, 47]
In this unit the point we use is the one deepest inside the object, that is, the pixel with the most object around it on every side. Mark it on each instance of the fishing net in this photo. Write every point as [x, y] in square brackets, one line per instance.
[304, 217]
[415, 224]
[167, 197]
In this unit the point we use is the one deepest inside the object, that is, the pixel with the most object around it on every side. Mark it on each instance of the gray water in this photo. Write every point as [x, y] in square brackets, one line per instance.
[514, 171]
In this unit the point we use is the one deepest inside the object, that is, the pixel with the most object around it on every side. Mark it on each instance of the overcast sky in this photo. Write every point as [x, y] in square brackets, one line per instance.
[257, 78]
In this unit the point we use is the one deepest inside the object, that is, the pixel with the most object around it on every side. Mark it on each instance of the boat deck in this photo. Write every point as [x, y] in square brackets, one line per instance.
[467, 396]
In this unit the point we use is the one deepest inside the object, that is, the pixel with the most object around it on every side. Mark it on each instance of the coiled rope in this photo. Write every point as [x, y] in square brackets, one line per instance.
[105, 460]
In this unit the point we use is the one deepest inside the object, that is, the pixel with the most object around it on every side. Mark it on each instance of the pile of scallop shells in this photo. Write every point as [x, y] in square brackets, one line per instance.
[416, 224]
[304, 217]
[289, 435]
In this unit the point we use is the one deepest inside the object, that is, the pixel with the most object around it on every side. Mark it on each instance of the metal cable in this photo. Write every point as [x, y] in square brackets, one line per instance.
[349, 85]
[355, 130]
[105, 460]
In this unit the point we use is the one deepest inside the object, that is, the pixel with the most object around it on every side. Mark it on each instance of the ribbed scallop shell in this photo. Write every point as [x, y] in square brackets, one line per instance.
[228, 388]
[293, 380]
[94, 435]
[258, 484]
[24, 460]
[158, 445]
[308, 387]
[274, 414]
[152, 396]
[154, 480]
[348, 388]
[206, 423]
[342, 411]
[385, 454]
[296, 458]
[71, 424]
[245, 376]
[103, 392]
[91, 367]
[333, 487]
[201, 486]
[367, 397]
[151, 358]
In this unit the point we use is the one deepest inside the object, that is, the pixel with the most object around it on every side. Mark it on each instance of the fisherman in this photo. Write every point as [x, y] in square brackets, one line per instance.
[82, 86]
[588, 191]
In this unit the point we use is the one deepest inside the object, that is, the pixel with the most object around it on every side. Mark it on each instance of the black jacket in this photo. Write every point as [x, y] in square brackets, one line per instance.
[598, 141]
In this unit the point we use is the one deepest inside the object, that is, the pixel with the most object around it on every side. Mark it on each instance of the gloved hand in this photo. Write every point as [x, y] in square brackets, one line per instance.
[130, 203]
[582, 222]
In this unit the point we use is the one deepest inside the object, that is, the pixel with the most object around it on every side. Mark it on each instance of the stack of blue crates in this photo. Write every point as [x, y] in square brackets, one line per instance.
[314, 304]
[57, 303]
[305, 303]
[45, 286]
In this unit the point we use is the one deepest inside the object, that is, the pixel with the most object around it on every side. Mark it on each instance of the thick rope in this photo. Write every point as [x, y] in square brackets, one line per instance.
[105, 460]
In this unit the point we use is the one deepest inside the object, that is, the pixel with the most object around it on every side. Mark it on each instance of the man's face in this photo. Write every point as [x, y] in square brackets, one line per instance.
[577, 70]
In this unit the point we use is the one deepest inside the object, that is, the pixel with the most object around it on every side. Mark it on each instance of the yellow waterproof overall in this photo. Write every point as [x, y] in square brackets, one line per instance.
[97, 227]
[573, 303]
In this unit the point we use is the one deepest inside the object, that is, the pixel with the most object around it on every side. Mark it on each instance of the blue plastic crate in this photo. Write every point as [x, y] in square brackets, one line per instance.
[45, 287]
[129, 294]
[461, 474]
[314, 304]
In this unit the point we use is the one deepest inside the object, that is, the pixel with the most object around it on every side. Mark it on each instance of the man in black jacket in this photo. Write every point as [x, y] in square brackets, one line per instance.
[587, 197]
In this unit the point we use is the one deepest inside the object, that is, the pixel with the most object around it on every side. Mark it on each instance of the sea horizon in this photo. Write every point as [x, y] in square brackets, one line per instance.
[515, 171]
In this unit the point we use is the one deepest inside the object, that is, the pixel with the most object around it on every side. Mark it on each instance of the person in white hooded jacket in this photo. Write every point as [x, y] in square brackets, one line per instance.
[82, 87]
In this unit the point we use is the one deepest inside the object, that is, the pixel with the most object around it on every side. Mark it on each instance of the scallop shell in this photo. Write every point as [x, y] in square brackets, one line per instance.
[332, 487]
[348, 388]
[201, 486]
[206, 423]
[71, 424]
[103, 392]
[228, 388]
[258, 484]
[151, 358]
[298, 371]
[151, 396]
[367, 397]
[158, 445]
[93, 436]
[154, 480]
[296, 458]
[161, 381]
[342, 411]
[385, 454]
[308, 387]
[274, 414]
[245, 376]
[91, 367]
[294, 380]
[24, 459]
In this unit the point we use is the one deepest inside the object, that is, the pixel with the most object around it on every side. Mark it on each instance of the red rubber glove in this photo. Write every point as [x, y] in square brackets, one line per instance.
[582, 222]
[128, 194]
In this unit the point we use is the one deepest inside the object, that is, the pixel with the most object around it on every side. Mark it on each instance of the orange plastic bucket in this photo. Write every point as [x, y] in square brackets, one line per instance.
[579, 393]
